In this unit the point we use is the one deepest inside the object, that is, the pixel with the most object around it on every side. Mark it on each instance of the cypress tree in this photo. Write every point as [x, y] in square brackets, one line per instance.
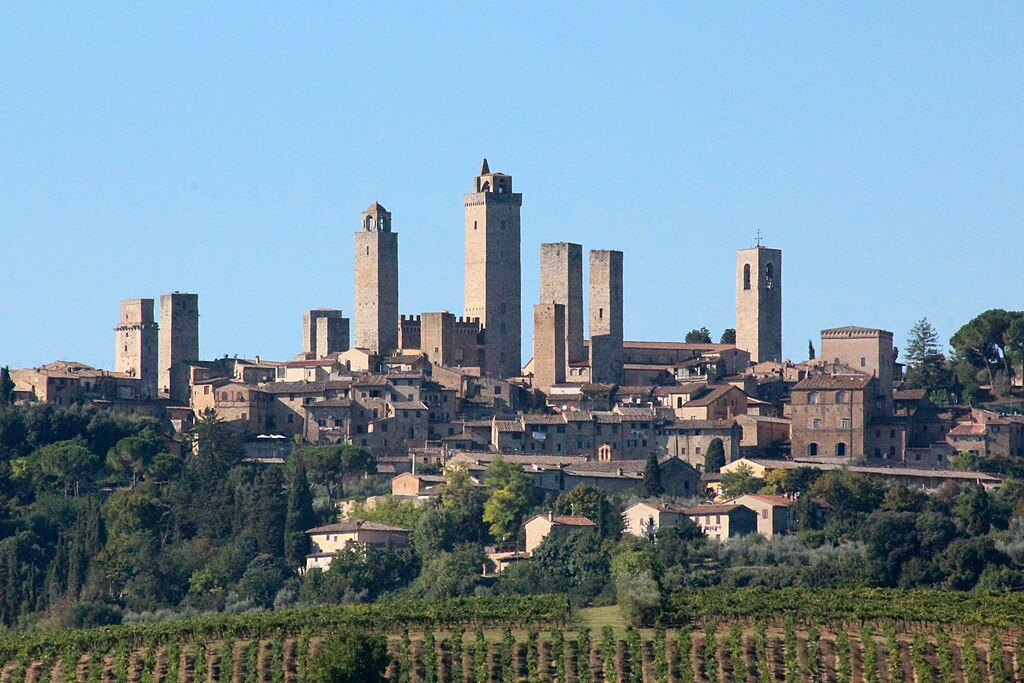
[299, 517]
[652, 477]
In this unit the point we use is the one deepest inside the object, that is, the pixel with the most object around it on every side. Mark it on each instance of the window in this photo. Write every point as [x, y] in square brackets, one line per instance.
[815, 424]
[812, 448]
[844, 423]
[863, 361]
[600, 314]
[840, 397]
[769, 276]
[764, 514]
[746, 276]
[812, 398]
[840, 448]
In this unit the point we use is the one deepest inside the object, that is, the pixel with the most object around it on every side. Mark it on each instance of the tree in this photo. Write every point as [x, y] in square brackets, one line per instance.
[593, 503]
[992, 342]
[810, 350]
[132, 456]
[6, 387]
[922, 342]
[68, 464]
[508, 500]
[299, 516]
[740, 481]
[330, 466]
[698, 336]
[350, 655]
[652, 477]
[714, 458]
[728, 336]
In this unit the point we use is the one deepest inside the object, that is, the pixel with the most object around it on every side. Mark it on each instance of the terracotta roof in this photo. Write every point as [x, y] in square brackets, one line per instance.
[357, 525]
[304, 387]
[701, 424]
[409, 405]
[661, 507]
[851, 330]
[544, 419]
[909, 394]
[572, 520]
[711, 509]
[509, 426]
[712, 396]
[968, 429]
[771, 500]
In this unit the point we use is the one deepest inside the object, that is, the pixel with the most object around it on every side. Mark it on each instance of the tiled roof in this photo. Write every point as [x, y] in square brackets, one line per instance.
[357, 525]
[712, 396]
[827, 382]
[771, 500]
[572, 520]
[710, 509]
[409, 405]
[304, 387]
[968, 429]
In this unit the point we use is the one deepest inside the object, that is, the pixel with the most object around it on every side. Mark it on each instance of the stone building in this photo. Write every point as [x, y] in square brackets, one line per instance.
[606, 338]
[376, 286]
[324, 331]
[561, 282]
[137, 344]
[548, 345]
[759, 303]
[866, 350]
[179, 343]
[493, 270]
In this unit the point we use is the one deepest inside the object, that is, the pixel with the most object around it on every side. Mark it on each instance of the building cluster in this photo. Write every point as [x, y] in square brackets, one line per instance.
[432, 387]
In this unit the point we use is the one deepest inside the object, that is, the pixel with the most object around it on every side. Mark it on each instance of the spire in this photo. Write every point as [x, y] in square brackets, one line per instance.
[484, 169]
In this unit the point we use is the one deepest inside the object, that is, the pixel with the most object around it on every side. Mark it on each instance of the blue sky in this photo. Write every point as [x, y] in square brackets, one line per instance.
[228, 149]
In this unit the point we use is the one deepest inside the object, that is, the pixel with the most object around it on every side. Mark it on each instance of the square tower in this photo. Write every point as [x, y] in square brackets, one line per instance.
[137, 344]
[376, 287]
[179, 343]
[867, 350]
[548, 346]
[759, 303]
[324, 331]
[606, 316]
[561, 282]
[493, 279]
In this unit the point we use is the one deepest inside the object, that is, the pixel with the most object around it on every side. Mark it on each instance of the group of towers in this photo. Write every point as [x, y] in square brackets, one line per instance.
[158, 354]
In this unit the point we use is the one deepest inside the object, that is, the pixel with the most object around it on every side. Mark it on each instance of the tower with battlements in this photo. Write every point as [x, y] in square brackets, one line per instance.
[376, 286]
[561, 282]
[493, 276]
[137, 344]
[324, 331]
[759, 303]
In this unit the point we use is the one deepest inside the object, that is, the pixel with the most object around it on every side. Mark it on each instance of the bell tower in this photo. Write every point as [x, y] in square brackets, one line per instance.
[759, 303]
[376, 286]
[493, 276]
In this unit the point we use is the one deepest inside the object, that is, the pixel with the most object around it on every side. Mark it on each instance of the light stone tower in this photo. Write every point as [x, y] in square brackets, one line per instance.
[759, 303]
[606, 316]
[548, 346]
[136, 338]
[561, 282]
[376, 289]
[324, 331]
[493, 279]
[179, 343]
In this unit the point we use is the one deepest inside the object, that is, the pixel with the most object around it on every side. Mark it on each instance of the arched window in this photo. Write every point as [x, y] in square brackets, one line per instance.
[486, 187]
[746, 276]
[380, 223]
[769, 276]
[369, 223]
[840, 397]
[238, 396]
[840, 448]
[812, 448]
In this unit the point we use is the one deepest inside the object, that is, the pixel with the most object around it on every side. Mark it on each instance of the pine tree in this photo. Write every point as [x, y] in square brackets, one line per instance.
[652, 477]
[299, 517]
[922, 342]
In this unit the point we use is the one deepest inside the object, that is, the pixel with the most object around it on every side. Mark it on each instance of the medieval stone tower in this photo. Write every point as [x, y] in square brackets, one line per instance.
[493, 279]
[561, 282]
[606, 316]
[548, 346]
[759, 303]
[376, 290]
[324, 331]
[179, 343]
[136, 339]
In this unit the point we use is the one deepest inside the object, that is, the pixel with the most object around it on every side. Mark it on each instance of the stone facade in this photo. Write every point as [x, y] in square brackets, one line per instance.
[493, 270]
[179, 343]
[549, 345]
[606, 352]
[324, 331]
[759, 303]
[137, 344]
[561, 282]
[376, 286]
[830, 414]
[866, 350]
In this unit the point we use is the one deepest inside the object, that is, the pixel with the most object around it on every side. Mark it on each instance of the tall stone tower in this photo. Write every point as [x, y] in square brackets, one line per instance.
[606, 316]
[561, 282]
[324, 331]
[136, 339]
[759, 303]
[548, 346]
[179, 343]
[376, 290]
[493, 280]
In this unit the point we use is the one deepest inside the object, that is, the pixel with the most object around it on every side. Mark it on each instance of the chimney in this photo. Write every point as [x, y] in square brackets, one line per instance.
[551, 515]
[620, 472]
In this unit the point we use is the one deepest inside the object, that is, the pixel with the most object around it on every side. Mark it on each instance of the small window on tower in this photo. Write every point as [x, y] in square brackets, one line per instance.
[600, 314]
[746, 276]
[769, 276]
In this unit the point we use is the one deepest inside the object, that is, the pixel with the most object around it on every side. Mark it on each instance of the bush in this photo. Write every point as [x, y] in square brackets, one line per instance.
[350, 655]
[638, 597]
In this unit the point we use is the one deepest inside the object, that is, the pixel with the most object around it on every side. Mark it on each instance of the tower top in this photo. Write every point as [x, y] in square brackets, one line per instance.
[498, 183]
[376, 219]
[484, 168]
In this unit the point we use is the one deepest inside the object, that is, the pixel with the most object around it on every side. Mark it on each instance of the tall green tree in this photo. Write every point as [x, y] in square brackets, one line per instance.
[922, 342]
[992, 343]
[299, 516]
[593, 503]
[509, 498]
[714, 458]
[810, 350]
[6, 387]
[728, 336]
[698, 336]
[652, 477]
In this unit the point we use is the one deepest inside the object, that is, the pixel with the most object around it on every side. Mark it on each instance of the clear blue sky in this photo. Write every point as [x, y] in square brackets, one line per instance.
[228, 149]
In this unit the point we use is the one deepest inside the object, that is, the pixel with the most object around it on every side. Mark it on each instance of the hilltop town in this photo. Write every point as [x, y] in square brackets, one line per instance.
[426, 437]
